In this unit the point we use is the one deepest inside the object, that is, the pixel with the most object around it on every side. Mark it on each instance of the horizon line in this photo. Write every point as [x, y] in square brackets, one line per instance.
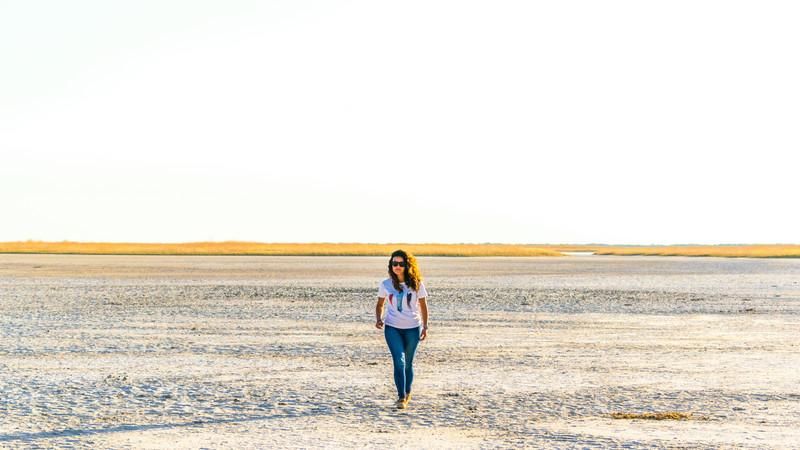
[228, 241]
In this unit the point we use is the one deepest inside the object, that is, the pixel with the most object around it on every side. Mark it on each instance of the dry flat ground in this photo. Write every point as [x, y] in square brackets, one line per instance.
[281, 352]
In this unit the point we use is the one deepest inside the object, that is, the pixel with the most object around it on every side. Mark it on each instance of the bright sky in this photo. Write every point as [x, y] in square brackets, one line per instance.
[629, 122]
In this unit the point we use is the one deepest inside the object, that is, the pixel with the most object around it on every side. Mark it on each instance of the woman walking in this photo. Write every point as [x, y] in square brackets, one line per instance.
[406, 318]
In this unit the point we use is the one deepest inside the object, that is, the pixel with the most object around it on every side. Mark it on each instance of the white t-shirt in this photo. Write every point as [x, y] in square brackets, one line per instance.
[405, 315]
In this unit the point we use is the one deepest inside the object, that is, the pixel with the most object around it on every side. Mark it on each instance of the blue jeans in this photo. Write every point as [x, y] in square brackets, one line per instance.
[403, 346]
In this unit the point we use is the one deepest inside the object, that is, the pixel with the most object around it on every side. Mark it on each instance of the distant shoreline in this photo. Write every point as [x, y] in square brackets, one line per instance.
[232, 248]
[235, 248]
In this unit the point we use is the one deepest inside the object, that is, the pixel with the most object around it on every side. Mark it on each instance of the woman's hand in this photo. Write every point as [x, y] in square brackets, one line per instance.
[424, 334]
[379, 324]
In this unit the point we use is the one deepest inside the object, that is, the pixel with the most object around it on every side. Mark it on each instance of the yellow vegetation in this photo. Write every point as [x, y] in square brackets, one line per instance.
[259, 248]
[730, 251]
[359, 249]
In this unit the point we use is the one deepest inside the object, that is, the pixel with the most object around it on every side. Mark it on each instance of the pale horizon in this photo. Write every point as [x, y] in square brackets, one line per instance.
[605, 244]
[614, 123]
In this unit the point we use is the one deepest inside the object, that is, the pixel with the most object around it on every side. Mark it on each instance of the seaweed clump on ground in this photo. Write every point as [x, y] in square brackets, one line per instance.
[669, 415]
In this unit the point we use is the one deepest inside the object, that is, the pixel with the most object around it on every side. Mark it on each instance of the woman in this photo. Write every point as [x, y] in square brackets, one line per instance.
[406, 318]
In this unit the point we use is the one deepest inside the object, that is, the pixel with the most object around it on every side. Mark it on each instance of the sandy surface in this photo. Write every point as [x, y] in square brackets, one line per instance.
[281, 352]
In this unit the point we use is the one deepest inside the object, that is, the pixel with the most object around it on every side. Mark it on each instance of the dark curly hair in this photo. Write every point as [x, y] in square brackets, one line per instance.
[411, 272]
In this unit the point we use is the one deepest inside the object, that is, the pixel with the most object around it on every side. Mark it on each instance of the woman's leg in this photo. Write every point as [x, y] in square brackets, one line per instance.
[410, 342]
[395, 342]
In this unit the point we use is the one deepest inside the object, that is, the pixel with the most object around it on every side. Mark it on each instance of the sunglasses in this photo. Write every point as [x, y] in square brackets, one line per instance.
[398, 263]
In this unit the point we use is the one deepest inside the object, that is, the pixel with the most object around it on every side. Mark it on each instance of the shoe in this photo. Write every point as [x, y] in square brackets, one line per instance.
[401, 403]
[408, 398]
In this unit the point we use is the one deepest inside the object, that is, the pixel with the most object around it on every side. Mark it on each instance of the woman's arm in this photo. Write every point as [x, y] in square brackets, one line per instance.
[379, 312]
[423, 307]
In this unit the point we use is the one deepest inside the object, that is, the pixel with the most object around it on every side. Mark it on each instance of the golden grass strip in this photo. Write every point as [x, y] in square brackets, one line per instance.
[366, 249]
[282, 249]
[727, 251]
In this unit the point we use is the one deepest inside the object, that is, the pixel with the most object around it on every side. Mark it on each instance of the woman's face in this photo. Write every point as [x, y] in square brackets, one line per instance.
[398, 268]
